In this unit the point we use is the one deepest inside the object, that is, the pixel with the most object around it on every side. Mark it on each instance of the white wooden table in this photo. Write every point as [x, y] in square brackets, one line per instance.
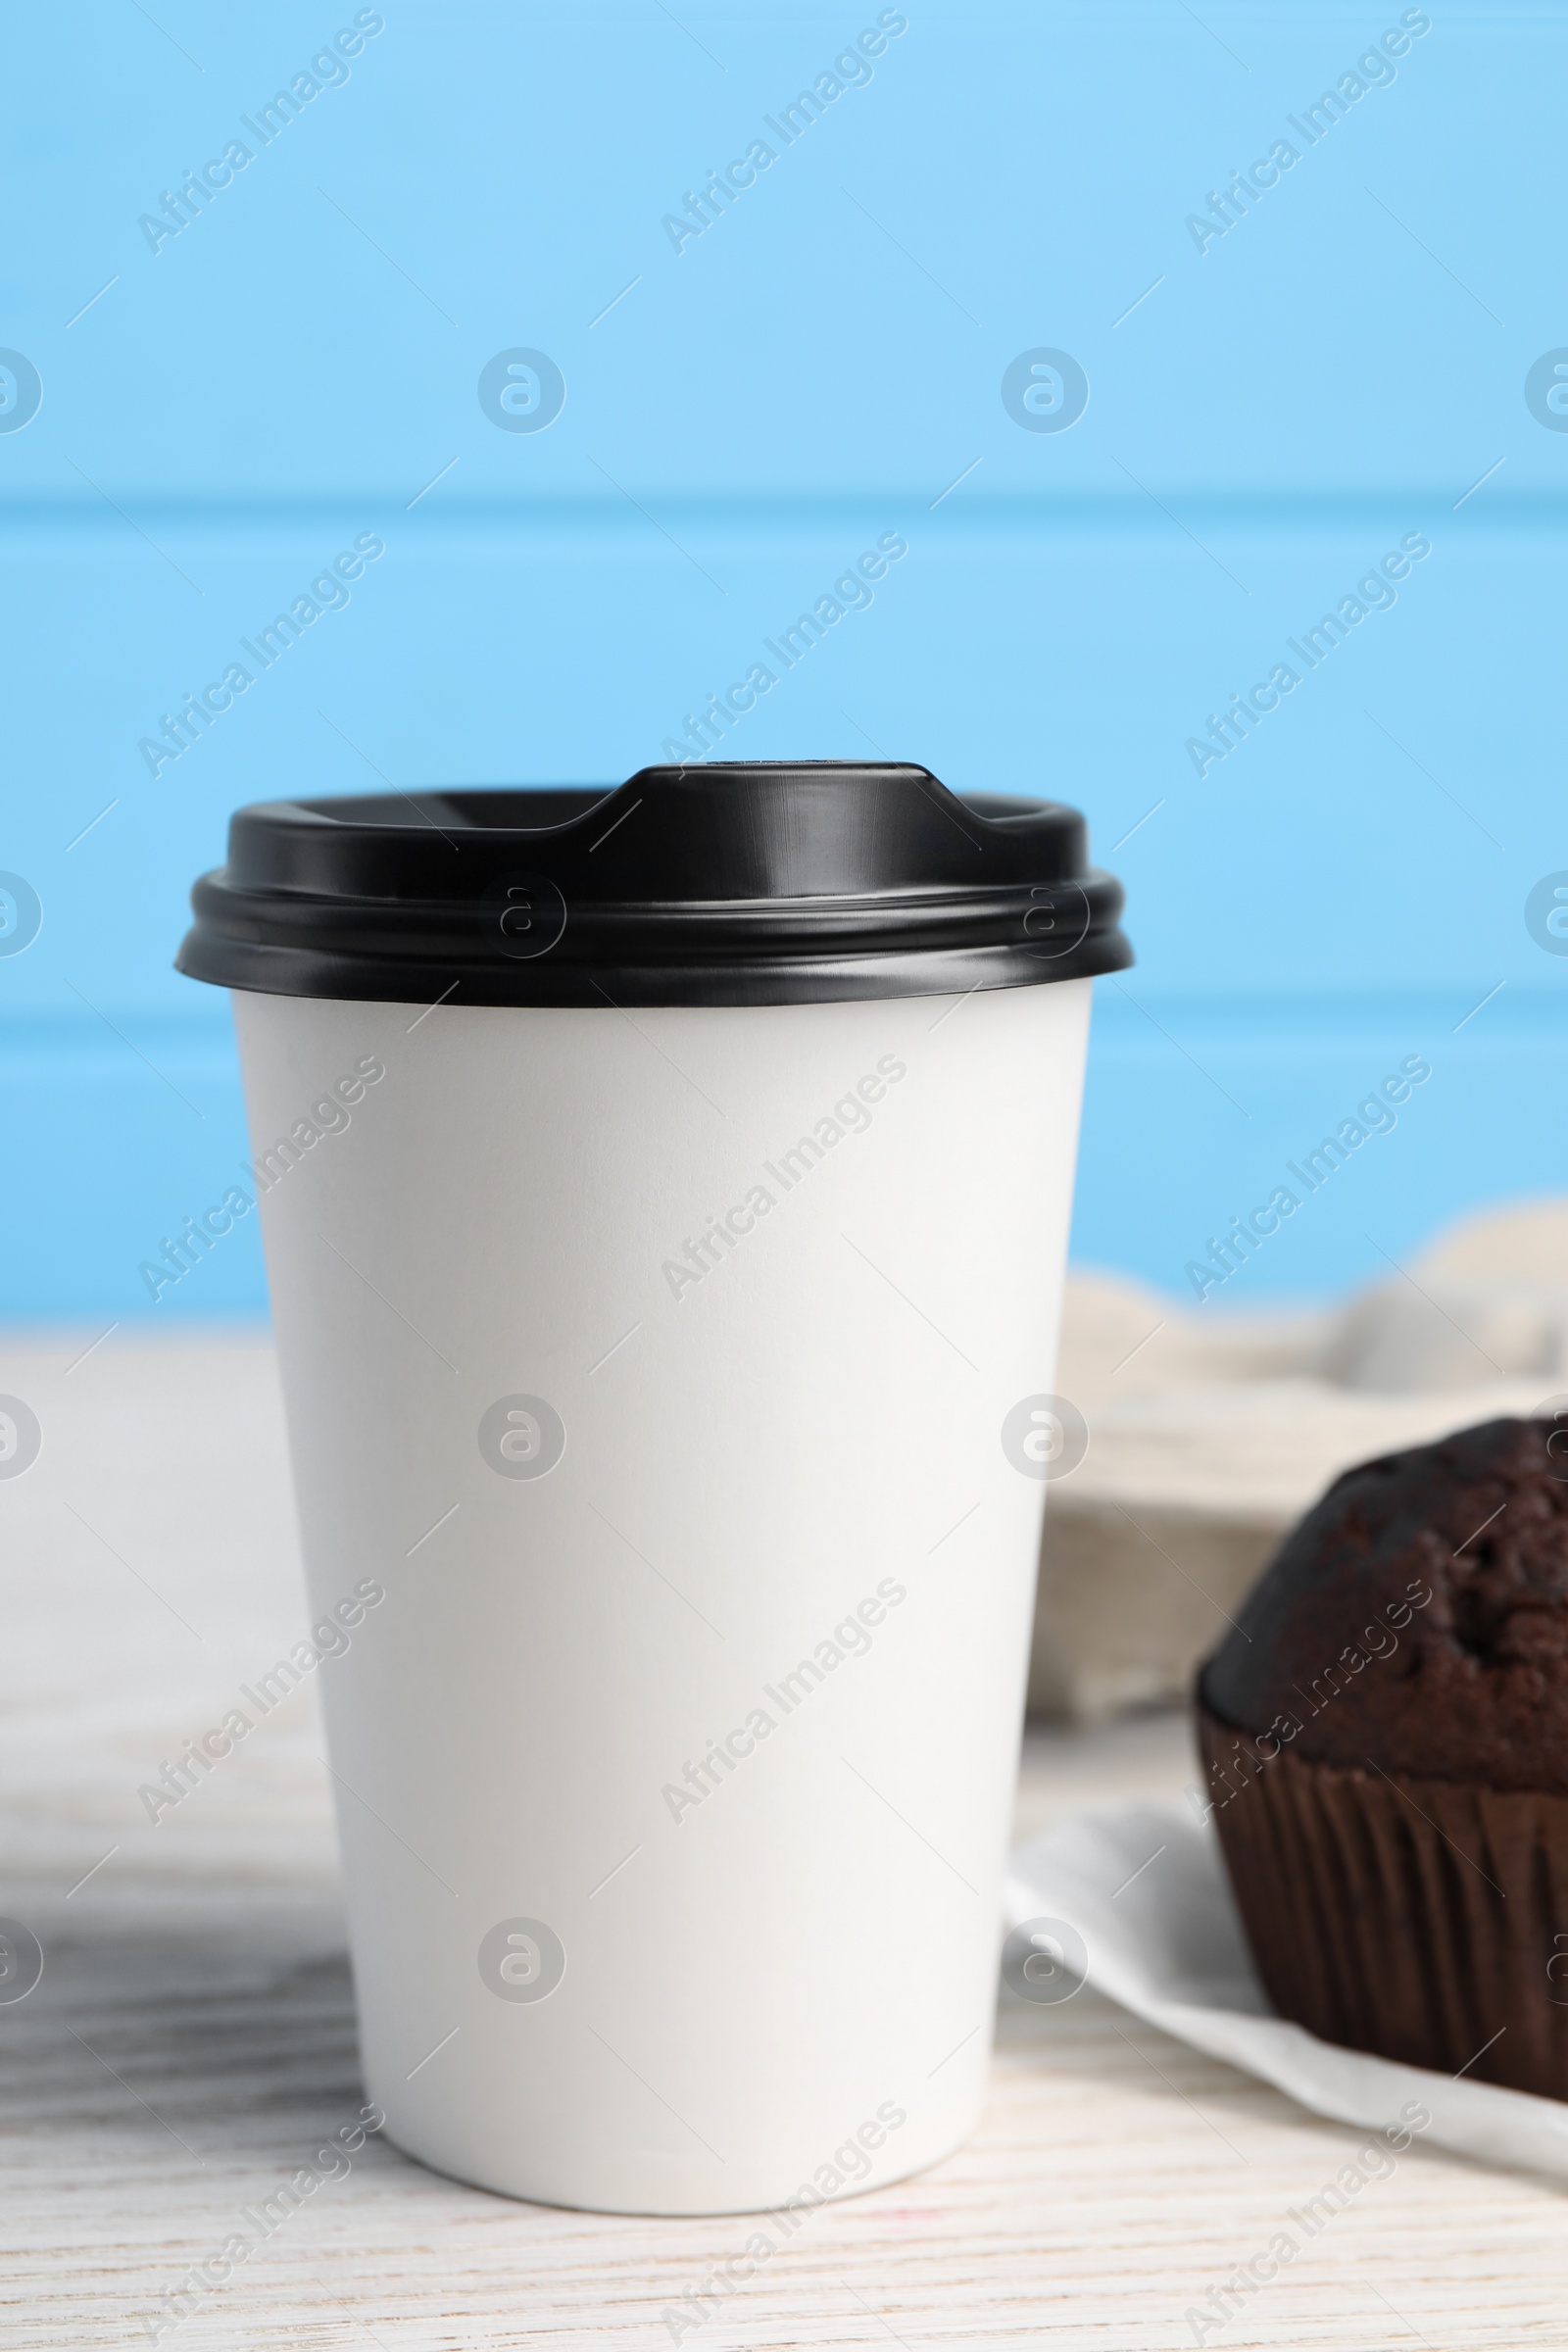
[191, 2043]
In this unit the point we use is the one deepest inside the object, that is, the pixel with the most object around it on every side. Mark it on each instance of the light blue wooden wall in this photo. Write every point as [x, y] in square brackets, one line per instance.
[1268, 416]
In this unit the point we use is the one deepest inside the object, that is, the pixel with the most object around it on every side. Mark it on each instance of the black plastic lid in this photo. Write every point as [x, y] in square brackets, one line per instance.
[767, 882]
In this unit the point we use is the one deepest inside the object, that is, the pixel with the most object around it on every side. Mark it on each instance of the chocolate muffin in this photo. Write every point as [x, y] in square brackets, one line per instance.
[1386, 1735]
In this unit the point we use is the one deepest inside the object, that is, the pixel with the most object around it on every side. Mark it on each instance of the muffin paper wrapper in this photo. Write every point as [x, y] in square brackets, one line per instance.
[1146, 1889]
[1423, 1920]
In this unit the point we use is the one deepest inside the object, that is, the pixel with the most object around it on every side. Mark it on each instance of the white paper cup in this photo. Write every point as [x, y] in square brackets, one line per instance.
[665, 1199]
[674, 1769]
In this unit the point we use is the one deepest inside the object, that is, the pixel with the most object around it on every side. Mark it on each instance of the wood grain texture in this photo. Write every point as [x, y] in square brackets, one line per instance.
[192, 2041]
